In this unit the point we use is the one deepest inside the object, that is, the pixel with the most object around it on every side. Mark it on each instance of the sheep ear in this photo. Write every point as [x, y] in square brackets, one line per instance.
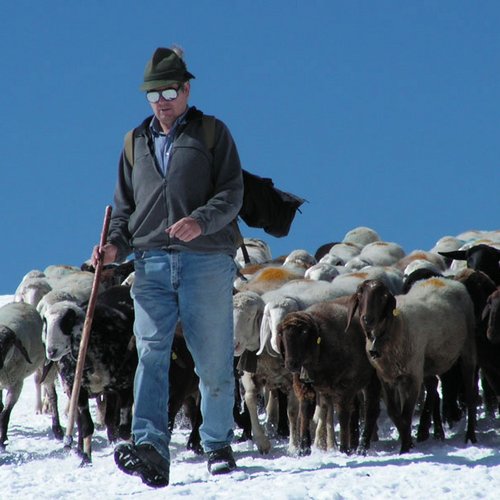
[46, 370]
[22, 350]
[486, 311]
[391, 305]
[314, 323]
[352, 305]
[68, 321]
[455, 254]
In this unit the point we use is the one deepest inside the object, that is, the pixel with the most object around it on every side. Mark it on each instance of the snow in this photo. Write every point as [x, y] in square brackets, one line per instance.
[35, 465]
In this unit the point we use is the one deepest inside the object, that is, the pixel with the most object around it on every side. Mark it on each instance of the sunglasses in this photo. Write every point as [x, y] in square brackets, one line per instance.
[167, 94]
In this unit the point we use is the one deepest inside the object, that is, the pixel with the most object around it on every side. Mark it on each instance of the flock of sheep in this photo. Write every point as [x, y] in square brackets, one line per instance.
[316, 336]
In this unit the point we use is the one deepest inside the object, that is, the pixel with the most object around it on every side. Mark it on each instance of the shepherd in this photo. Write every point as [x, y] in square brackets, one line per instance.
[174, 206]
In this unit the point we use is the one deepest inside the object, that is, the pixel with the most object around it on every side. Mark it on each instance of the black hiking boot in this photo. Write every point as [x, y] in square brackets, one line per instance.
[144, 461]
[221, 461]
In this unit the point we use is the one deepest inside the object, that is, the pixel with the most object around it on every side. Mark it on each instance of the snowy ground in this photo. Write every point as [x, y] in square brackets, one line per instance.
[35, 466]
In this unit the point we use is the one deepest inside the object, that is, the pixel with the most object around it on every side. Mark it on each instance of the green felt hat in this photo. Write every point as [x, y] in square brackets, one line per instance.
[165, 68]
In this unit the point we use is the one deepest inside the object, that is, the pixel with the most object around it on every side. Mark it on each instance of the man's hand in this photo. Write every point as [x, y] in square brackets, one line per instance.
[108, 254]
[186, 229]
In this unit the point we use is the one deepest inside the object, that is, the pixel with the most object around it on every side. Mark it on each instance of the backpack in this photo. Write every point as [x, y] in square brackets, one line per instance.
[264, 206]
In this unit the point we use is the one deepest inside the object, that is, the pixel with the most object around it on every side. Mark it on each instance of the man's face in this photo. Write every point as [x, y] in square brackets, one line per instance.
[168, 111]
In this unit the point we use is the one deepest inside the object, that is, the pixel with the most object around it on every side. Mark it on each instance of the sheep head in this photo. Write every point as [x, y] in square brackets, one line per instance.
[300, 340]
[491, 312]
[8, 340]
[274, 312]
[376, 306]
[248, 308]
[62, 321]
[480, 257]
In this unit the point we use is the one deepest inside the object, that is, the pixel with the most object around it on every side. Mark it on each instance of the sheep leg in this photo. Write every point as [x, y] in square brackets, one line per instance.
[293, 416]
[272, 411]
[192, 410]
[320, 437]
[57, 430]
[13, 393]
[85, 427]
[436, 417]
[283, 429]
[38, 391]
[451, 386]
[307, 403]
[101, 405]
[489, 396]
[371, 413]
[467, 366]
[125, 422]
[401, 399]
[348, 414]
[258, 435]
[241, 414]
[331, 442]
[410, 389]
[112, 415]
[354, 423]
[428, 409]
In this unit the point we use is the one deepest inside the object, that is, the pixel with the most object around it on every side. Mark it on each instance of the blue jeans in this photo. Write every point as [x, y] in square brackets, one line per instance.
[197, 290]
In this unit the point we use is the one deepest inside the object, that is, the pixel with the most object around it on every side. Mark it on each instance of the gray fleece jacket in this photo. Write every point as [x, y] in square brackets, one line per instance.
[201, 183]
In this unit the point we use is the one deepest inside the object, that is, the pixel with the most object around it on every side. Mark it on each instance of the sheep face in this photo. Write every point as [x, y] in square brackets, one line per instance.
[299, 335]
[492, 313]
[376, 307]
[63, 325]
[247, 316]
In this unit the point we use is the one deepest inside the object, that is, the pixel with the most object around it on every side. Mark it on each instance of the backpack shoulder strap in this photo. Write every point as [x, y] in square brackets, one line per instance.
[209, 131]
[208, 123]
[129, 146]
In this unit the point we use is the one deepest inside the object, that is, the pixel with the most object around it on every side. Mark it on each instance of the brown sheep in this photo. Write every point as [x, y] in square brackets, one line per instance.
[316, 345]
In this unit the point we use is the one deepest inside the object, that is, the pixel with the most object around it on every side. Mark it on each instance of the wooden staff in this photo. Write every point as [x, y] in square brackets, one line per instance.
[82, 352]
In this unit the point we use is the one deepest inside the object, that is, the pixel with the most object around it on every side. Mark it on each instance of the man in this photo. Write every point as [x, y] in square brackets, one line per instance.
[175, 207]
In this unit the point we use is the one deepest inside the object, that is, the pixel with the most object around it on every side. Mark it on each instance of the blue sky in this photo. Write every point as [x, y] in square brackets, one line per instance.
[380, 113]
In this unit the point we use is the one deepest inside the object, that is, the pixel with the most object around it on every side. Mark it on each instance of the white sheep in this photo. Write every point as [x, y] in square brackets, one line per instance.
[258, 252]
[361, 236]
[322, 271]
[300, 260]
[447, 244]
[438, 262]
[293, 296]
[268, 278]
[267, 372]
[248, 308]
[381, 253]
[345, 251]
[59, 270]
[411, 338]
[21, 353]
[32, 288]
[421, 264]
